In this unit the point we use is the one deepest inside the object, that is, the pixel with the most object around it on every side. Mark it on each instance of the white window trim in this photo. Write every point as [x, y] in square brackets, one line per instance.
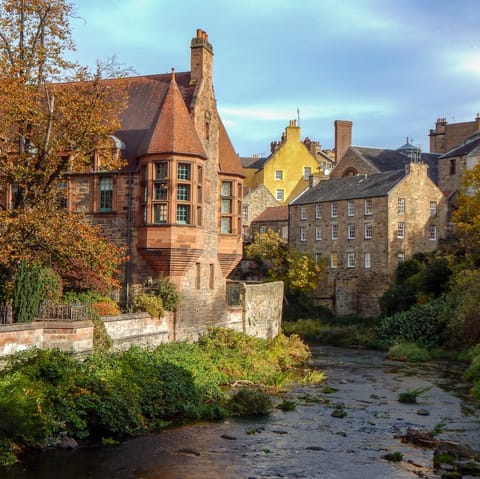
[433, 232]
[303, 212]
[318, 211]
[334, 232]
[367, 261]
[350, 260]
[318, 233]
[401, 230]
[303, 234]
[368, 226]
[350, 209]
[351, 231]
[368, 207]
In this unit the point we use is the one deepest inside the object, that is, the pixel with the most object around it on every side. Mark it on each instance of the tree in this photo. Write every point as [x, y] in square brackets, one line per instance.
[466, 217]
[54, 115]
[299, 271]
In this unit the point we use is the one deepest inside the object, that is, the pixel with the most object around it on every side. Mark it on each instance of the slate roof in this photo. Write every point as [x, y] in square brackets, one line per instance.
[253, 162]
[465, 148]
[387, 160]
[273, 213]
[351, 187]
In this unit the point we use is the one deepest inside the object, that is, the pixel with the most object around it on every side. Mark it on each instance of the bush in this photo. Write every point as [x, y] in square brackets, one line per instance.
[168, 293]
[249, 402]
[423, 324]
[149, 303]
[408, 352]
[105, 308]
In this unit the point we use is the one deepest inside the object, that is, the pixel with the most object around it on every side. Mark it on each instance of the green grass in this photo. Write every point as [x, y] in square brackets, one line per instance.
[408, 352]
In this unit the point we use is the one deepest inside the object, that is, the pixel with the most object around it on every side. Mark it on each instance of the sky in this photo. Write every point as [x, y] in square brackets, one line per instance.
[392, 67]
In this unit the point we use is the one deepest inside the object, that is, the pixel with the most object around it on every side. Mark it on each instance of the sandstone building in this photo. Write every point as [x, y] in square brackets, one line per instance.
[177, 204]
[363, 225]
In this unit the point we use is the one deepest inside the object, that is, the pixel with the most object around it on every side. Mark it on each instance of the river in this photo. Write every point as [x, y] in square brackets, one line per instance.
[307, 442]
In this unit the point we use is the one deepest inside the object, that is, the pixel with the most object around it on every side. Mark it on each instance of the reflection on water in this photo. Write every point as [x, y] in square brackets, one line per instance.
[305, 443]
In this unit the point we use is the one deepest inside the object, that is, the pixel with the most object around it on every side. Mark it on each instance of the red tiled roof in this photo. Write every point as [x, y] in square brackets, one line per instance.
[172, 129]
[273, 213]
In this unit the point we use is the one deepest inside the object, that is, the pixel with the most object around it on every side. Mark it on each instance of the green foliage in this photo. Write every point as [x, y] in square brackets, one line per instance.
[408, 352]
[396, 456]
[410, 397]
[299, 271]
[48, 393]
[250, 402]
[300, 305]
[423, 324]
[148, 302]
[423, 277]
[168, 293]
[33, 285]
[463, 313]
[287, 405]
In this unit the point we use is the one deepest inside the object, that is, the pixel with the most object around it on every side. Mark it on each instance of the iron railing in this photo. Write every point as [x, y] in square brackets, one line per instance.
[66, 312]
[5, 314]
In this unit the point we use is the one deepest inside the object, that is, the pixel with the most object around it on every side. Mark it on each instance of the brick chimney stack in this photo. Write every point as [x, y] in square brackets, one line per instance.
[343, 138]
[201, 58]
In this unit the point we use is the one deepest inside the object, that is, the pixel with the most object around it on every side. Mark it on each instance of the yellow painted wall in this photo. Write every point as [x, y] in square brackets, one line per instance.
[290, 158]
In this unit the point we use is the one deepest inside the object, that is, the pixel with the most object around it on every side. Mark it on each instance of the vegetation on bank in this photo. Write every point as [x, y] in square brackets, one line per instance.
[47, 394]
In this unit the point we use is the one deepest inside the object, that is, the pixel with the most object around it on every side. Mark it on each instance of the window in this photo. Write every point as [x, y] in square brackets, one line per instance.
[184, 171]
[160, 213]
[351, 231]
[351, 209]
[400, 256]
[263, 229]
[160, 191]
[183, 214]
[106, 194]
[401, 230]
[278, 175]
[183, 192]
[433, 208]
[333, 210]
[350, 260]
[367, 260]
[433, 232]
[198, 270]
[245, 213]
[284, 233]
[318, 258]
[161, 170]
[211, 276]
[303, 234]
[334, 231]
[453, 166]
[333, 260]
[318, 211]
[279, 194]
[62, 194]
[303, 212]
[368, 207]
[318, 233]
[368, 230]
[307, 172]
[226, 207]
[401, 206]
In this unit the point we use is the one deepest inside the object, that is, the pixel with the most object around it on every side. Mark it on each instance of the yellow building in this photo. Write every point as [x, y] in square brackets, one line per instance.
[286, 172]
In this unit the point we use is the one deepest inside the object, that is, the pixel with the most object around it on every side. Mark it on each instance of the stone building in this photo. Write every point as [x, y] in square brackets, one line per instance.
[177, 204]
[286, 172]
[363, 225]
[255, 201]
[446, 136]
[274, 218]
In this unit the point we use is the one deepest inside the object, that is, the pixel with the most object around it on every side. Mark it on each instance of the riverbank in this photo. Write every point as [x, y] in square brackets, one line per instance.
[49, 398]
[309, 441]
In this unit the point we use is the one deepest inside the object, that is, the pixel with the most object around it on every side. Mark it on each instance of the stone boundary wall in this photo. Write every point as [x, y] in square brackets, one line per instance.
[259, 313]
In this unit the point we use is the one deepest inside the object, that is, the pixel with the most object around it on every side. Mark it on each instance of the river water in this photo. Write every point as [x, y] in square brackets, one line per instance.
[307, 442]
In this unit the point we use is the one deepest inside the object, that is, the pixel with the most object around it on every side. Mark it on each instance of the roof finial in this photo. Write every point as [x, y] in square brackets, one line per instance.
[173, 73]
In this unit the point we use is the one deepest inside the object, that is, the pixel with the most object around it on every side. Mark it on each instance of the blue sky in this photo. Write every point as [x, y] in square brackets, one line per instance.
[390, 66]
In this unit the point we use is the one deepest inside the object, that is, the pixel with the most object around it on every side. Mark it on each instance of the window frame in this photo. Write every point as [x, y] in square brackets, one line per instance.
[350, 209]
[105, 196]
[334, 210]
[367, 260]
[318, 233]
[401, 230]
[351, 231]
[401, 206]
[368, 207]
[278, 175]
[368, 231]
[432, 233]
[350, 259]
[280, 194]
[303, 212]
[318, 211]
[334, 231]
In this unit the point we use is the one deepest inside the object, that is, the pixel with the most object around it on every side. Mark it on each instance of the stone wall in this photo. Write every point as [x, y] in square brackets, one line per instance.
[257, 311]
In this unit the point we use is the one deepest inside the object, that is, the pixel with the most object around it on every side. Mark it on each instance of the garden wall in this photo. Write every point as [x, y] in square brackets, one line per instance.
[256, 309]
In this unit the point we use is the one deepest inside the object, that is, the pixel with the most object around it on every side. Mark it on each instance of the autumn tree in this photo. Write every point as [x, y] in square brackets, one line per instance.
[299, 271]
[466, 217]
[53, 115]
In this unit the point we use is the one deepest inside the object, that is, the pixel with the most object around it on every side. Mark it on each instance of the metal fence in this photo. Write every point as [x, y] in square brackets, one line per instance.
[66, 312]
[5, 314]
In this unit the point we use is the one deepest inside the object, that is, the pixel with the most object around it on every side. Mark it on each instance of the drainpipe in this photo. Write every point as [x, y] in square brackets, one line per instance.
[128, 269]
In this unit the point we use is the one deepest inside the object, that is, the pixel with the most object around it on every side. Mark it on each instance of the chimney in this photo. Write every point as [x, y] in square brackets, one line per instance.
[343, 138]
[201, 58]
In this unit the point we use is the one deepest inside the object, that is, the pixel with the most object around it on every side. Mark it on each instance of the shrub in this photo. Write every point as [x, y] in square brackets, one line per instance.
[105, 308]
[149, 303]
[249, 402]
[423, 324]
[408, 352]
[410, 397]
[33, 285]
[168, 293]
